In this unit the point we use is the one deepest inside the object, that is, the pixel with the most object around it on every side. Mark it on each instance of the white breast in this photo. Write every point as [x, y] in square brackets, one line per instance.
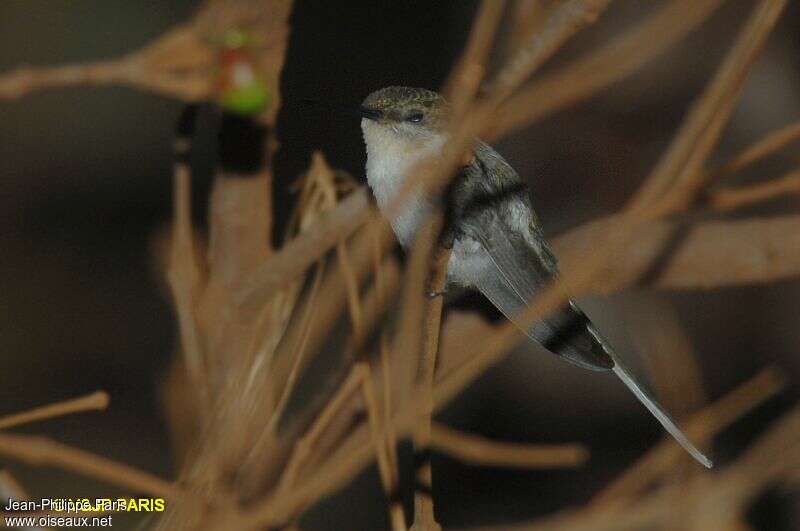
[390, 159]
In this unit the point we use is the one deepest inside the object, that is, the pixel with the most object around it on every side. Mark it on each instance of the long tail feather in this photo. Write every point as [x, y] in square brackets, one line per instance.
[652, 405]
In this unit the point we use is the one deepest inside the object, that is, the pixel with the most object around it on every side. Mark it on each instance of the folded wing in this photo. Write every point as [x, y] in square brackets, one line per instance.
[514, 272]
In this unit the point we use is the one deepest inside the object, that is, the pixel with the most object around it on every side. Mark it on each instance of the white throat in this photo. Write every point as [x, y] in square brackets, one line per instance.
[390, 159]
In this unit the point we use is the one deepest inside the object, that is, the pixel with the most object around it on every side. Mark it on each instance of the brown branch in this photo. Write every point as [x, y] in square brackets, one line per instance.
[709, 502]
[284, 392]
[712, 112]
[757, 151]
[467, 75]
[726, 199]
[709, 254]
[611, 63]
[714, 254]
[565, 20]
[24, 80]
[386, 386]
[317, 196]
[352, 291]
[387, 467]
[42, 451]
[178, 64]
[95, 401]
[432, 174]
[183, 277]
[329, 307]
[235, 451]
[680, 164]
[354, 454]
[333, 474]
[181, 63]
[479, 450]
[424, 518]
[324, 177]
[304, 447]
[294, 258]
[290, 503]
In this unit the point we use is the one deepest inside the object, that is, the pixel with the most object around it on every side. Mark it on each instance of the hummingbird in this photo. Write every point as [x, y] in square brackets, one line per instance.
[496, 240]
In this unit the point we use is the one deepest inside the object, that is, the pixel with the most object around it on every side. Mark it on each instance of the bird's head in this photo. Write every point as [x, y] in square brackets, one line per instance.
[403, 114]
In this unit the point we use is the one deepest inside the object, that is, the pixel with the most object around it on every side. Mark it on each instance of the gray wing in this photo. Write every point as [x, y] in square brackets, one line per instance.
[514, 275]
[519, 264]
[516, 272]
[489, 199]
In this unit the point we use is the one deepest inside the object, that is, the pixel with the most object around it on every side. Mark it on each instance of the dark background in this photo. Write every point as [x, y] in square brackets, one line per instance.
[85, 192]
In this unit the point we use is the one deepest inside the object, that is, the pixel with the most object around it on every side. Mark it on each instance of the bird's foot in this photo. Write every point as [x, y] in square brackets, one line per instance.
[434, 294]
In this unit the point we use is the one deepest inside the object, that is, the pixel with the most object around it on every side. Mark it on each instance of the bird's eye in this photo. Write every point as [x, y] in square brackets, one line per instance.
[415, 117]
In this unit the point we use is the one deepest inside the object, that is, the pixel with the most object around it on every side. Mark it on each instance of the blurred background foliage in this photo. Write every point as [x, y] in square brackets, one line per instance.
[85, 198]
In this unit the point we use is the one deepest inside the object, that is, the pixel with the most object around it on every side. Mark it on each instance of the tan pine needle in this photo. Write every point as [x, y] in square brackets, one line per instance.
[478, 450]
[184, 277]
[92, 402]
[43, 451]
[764, 147]
[607, 65]
[305, 446]
[424, 519]
[726, 199]
[386, 467]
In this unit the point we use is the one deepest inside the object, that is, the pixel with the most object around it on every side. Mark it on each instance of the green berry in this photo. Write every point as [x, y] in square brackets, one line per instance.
[248, 100]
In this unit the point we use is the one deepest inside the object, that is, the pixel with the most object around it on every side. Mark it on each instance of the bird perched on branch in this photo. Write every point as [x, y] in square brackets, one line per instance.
[497, 243]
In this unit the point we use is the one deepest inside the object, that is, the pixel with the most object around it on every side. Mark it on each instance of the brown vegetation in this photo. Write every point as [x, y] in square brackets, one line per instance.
[249, 325]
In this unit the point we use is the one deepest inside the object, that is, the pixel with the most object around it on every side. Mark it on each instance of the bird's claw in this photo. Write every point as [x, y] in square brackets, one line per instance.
[434, 294]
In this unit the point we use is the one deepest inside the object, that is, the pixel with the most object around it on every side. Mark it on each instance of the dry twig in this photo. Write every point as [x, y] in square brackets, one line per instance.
[481, 451]
[607, 65]
[764, 147]
[424, 519]
[95, 401]
[731, 198]
[245, 305]
[42, 451]
[691, 145]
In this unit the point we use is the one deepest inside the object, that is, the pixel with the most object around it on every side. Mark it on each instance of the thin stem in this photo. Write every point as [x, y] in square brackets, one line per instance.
[183, 276]
[764, 147]
[305, 446]
[42, 451]
[608, 64]
[388, 473]
[481, 451]
[95, 401]
[424, 519]
[727, 199]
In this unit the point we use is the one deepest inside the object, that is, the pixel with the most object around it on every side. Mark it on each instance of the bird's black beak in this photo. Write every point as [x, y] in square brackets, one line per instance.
[370, 114]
